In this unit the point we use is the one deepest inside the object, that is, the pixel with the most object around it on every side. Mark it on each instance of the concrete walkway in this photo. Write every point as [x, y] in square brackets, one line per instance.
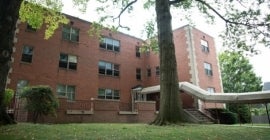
[247, 97]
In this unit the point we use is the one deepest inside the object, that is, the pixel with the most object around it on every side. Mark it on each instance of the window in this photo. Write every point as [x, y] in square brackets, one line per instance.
[20, 85]
[140, 97]
[149, 72]
[27, 54]
[204, 45]
[110, 44]
[106, 68]
[138, 53]
[157, 70]
[30, 28]
[208, 69]
[71, 34]
[66, 90]
[109, 94]
[138, 74]
[68, 61]
[211, 90]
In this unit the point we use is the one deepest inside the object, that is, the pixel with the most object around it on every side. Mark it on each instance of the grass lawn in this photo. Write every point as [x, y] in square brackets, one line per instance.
[104, 131]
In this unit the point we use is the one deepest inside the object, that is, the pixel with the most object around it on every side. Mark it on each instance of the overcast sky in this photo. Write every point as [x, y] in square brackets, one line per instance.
[136, 23]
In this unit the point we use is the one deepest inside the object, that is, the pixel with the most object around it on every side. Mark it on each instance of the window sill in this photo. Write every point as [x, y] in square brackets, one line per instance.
[25, 63]
[80, 112]
[111, 51]
[110, 76]
[107, 100]
[128, 113]
[65, 69]
[70, 41]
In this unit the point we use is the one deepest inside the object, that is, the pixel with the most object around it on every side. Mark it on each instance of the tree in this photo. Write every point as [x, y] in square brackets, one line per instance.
[238, 76]
[40, 101]
[242, 24]
[246, 23]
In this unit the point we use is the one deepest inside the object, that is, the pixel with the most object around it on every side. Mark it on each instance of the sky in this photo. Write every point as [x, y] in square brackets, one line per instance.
[135, 22]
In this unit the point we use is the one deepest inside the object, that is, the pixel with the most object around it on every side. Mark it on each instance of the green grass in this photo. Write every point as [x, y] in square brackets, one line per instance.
[104, 131]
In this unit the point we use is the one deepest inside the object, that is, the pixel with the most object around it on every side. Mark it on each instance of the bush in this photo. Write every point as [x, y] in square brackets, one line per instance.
[9, 94]
[40, 101]
[228, 118]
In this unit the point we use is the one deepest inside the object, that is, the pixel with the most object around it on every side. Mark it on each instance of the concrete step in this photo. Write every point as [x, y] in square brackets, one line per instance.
[200, 116]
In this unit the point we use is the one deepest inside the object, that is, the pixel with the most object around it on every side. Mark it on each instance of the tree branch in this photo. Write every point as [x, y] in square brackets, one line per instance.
[227, 20]
[121, 12]
[171, 2]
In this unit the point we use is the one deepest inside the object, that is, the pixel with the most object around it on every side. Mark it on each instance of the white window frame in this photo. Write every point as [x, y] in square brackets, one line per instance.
[208, 69]
[204, 45]
[71, 32]
[108, 94]
[71, 60]
[109, 42]
[211, 89]
[107, 66]
[66, 92]
[27, 54]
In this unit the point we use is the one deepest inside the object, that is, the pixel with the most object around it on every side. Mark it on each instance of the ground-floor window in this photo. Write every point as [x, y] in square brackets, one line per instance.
[20, 85]
[109, 94]
[66, 90]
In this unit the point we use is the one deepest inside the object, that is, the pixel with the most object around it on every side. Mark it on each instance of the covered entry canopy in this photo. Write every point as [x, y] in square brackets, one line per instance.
[247, 97]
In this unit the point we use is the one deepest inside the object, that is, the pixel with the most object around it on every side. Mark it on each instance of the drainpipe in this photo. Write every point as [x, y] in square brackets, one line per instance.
[132, 100]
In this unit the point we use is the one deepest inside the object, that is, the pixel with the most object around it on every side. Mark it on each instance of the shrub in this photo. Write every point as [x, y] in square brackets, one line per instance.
[9, 93]
[228, 117]
[40, 101]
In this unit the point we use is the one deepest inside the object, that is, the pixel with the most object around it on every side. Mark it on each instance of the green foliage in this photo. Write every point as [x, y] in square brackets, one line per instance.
[151, 44]
[242, 110]
[228, 117]
[237, 73]
[35, 14]
[81, 4]
[40, 101]
[238, 76]
[9, 94]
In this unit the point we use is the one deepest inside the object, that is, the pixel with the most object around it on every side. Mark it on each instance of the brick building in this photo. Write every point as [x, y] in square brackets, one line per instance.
[95, 79]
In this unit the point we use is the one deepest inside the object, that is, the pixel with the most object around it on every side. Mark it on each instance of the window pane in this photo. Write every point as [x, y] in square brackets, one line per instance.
[108, 93]
[72, 58]
[116, 95]
[27, 50]
[101, 67]
[72, 66]
[116, 49]
[20, 85]
[71, 89]
[101, 92]
[26, 58]
[66, 33]
[63, 62]
[115, 70]
[63, 57]
[149, 72]
[61, 90]
[116, 43]
[157, 70]
[108, 69]
[71, 96]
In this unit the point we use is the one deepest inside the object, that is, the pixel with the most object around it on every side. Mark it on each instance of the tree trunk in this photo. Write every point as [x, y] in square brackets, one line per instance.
[9, 13]
[170, 104]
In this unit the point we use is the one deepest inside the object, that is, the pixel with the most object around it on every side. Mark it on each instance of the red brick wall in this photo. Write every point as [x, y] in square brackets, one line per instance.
[44, 67]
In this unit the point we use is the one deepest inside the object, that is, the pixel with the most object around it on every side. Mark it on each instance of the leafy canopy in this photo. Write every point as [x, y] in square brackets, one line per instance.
[48, 12]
